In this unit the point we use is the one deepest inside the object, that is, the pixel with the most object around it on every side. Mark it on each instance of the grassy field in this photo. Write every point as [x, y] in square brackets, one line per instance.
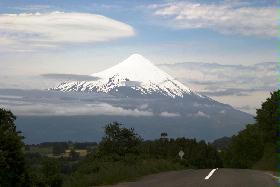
[41, 150]
[105, 173]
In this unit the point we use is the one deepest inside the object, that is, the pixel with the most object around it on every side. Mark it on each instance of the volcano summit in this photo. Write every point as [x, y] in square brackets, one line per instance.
[135, 76]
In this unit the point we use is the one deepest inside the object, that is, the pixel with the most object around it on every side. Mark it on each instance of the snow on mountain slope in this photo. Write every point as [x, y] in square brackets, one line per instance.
[137, 74]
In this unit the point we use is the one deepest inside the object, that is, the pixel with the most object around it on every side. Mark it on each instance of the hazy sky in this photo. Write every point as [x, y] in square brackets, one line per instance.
[83, 37]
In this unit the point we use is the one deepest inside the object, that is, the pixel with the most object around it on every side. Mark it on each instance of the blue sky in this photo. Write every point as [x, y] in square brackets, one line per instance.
[84, 37]
[156, 36]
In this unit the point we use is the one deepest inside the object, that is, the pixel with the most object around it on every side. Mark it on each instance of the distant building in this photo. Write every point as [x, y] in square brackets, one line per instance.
[80, 152]
[164, 136]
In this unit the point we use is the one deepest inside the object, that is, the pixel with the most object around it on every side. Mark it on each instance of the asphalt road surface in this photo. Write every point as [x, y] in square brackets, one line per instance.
[216, 178]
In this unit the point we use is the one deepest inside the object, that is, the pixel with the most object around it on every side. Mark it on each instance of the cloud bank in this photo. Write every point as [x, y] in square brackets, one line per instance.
[49, 103]
[226, 18]
[243, 87]
[57, 28]
[223, 80]
[52, 109]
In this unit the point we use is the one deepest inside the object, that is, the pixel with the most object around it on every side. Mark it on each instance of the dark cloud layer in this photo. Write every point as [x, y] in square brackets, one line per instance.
[232, 91]
[67, 77]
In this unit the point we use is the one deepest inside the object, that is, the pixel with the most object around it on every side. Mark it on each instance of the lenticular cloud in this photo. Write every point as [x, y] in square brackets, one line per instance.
[50, 29]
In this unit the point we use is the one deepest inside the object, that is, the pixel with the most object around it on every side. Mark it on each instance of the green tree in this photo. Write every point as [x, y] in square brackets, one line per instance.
[268, 119]
[119, 140]
[51, 172]
[268, 123]
[59, 147]
[257, 145]
[12, 162]
[246, 148]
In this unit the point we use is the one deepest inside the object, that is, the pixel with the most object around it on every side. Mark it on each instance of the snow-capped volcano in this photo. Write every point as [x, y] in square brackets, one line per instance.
[137, 93]
[136, 75]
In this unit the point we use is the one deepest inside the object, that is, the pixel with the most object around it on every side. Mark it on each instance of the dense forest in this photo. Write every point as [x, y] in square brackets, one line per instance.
[123, 155]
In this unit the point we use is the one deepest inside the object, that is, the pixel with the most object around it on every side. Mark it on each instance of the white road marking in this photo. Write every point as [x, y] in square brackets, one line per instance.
[210, 174]
[273, 176]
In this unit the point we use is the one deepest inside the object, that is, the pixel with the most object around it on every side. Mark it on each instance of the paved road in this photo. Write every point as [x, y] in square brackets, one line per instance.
[196, 178]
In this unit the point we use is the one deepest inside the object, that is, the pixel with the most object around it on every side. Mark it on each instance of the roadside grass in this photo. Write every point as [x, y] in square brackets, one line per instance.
[106, 173]
[269, 161]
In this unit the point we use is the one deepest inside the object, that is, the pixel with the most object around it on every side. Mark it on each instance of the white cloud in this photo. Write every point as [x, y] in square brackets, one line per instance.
[225, 18]
[52, 109]
[57, 28]
[222, 112]
[201, 114]
[169, 114]
[144, 106]
[6, 41]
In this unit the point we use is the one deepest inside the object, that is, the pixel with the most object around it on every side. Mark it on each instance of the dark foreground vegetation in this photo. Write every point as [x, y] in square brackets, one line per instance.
[123, 155]
[257, 146]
